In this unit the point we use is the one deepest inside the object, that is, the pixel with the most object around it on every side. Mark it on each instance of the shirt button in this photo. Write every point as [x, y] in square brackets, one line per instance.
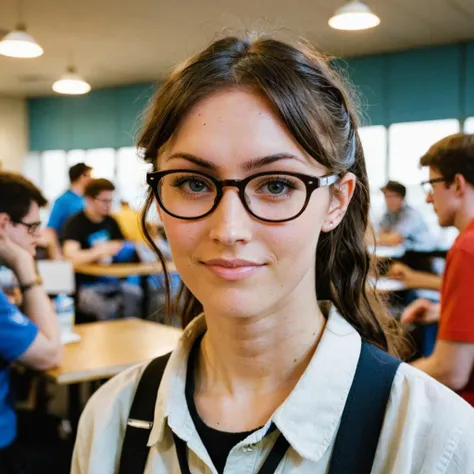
[249, 448]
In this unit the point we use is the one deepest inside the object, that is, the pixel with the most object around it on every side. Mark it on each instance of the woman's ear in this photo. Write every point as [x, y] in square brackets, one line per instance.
[341, 197]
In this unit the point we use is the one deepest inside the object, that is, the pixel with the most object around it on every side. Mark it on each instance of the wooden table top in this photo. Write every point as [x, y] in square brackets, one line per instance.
[109, 347]
[123, 270]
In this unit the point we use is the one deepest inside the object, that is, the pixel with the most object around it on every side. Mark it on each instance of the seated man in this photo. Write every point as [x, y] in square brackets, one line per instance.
[402, 224]
[451, 191]
[93, 236]
[32, 337]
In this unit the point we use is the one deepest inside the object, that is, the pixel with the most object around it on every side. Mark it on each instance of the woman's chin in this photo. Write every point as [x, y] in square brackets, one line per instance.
[234, 304]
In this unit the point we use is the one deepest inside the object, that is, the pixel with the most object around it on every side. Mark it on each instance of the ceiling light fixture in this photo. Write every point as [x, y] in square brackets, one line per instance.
[19, 44]
[71, 83]
[355, 15]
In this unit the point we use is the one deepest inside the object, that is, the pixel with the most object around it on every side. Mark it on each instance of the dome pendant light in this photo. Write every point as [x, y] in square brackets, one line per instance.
[19, 44]
[355, 15]
[71, 83]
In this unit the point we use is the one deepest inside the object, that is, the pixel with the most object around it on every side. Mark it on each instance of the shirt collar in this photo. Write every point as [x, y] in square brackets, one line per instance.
[308, 418]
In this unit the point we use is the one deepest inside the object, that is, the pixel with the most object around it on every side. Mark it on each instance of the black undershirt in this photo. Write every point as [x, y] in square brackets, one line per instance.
[218, 444]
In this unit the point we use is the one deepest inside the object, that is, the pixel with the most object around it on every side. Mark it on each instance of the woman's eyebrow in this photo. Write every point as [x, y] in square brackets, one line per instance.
[250, 165]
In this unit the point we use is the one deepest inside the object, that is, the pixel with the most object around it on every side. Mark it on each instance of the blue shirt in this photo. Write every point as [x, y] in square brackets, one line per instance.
[17, 333]
[411, 225]
[64, 207]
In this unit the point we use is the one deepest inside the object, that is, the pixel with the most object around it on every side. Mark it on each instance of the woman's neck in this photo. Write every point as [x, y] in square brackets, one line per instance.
[261, 353]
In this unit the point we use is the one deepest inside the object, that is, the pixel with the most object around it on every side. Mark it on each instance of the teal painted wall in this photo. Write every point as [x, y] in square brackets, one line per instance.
[103, 118]
[425, 84]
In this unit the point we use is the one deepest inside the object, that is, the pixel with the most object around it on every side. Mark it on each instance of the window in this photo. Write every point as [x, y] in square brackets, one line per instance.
[131, 176]
[469, 125]
[32, 168]
[374, 143]
[409, 141]
[102, 161]
[54, 179]
[76, 156]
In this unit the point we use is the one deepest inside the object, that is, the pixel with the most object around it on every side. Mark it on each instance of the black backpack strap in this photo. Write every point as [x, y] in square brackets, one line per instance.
[356, 439]
[364, 412]
[140, 420]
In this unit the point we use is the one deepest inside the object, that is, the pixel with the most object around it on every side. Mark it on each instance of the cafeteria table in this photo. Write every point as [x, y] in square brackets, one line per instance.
[107, 348]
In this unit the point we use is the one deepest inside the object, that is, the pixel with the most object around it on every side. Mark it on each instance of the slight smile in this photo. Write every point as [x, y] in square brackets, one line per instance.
[233, 269]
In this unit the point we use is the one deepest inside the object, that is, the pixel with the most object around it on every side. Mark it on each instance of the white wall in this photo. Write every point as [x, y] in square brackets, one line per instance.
[13, 133]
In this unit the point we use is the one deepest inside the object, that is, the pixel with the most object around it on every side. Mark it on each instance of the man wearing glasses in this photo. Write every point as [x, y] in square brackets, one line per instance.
[32, 337]
[451, 191]
[94, 236]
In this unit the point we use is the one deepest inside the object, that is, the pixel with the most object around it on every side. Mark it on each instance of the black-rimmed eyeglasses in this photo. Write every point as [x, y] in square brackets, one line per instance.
[428, 185]
[269, 196]
[32, 228]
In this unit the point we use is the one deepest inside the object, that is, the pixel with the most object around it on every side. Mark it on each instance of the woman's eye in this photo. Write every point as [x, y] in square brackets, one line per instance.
[277, 187]
[191, 185]
[196, 185]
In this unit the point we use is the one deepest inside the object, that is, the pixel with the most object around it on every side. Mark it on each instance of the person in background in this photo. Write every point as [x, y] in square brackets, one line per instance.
[31, 337]
[129, 222]
[402, 224]
[68, 204]
[451, 191]
[94, 236]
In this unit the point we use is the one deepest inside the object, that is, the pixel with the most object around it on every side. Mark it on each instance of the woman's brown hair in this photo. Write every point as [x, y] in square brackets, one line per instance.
[315, 107]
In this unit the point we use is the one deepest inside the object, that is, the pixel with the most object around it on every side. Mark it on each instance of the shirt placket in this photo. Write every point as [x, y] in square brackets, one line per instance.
[243, 459]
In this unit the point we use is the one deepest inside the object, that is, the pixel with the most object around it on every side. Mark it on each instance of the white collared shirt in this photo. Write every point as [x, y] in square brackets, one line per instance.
[427, 429]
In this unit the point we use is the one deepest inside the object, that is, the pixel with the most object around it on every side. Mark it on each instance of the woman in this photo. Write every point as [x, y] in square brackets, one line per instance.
[262, 190]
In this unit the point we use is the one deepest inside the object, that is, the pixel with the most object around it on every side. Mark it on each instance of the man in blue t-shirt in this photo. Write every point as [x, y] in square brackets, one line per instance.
[32, 337]
[69, 203]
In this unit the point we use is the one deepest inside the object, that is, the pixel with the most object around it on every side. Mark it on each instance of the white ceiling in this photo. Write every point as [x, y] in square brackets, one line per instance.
[116, 42]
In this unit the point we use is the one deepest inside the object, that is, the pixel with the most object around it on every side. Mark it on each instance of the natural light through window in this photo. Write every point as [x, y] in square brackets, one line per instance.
[54, 173]
[469, 125]
[374, 143]
[131, 176]
[102, 161]
[409, 141]
[75, 156]
[32, 167]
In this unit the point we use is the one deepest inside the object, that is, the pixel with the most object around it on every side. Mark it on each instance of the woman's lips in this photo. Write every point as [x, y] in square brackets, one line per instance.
[233, 269]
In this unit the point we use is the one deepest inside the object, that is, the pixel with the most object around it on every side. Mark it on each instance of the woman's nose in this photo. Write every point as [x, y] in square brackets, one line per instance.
[230, 222]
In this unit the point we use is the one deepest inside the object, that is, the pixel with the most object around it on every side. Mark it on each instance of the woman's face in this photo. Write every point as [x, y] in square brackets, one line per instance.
[233, 263]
